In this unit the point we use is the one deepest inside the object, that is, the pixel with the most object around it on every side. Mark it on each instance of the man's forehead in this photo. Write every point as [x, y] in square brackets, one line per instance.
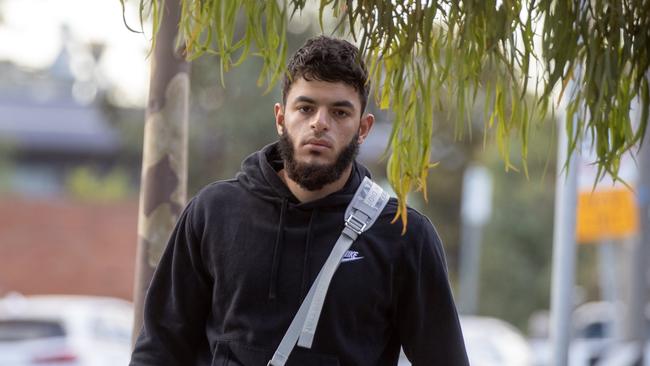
[324, 92]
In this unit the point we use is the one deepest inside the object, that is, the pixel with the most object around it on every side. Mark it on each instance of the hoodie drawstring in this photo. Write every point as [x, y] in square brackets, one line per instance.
[305, 265]
[276, 251]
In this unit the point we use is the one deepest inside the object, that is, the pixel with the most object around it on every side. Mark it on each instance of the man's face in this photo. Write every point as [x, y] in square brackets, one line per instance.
[322, 123]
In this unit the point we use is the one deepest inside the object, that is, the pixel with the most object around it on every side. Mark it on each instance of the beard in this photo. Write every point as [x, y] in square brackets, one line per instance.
[313, 177]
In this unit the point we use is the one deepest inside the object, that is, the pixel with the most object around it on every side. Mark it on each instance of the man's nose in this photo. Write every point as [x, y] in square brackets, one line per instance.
[320, 123]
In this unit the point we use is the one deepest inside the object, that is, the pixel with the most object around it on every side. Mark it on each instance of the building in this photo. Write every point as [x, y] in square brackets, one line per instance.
[50, 126]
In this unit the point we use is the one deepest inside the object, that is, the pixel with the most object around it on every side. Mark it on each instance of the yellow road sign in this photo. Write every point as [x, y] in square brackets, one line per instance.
[606, 213]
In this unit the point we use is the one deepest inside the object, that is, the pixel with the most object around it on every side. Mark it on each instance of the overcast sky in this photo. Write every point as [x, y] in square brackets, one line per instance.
[31, 36]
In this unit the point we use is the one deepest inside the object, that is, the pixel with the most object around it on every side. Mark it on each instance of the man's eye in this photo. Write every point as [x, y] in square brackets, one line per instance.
[341, 113]
[304, 109]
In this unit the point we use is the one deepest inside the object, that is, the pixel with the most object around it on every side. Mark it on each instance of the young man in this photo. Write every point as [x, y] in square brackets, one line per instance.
[246, 251]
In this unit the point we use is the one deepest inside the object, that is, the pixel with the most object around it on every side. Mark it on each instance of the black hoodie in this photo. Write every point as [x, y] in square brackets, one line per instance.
[243, 256]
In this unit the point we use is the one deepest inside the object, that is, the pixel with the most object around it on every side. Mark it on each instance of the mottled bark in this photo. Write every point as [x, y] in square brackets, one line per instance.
[164, 159]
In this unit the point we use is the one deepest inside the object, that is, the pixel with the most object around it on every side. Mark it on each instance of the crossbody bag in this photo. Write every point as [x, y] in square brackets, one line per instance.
[366, 205]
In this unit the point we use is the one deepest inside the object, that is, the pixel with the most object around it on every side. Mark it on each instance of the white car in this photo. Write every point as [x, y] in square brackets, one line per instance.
[494, 342]
[50, 330]
[491, 342]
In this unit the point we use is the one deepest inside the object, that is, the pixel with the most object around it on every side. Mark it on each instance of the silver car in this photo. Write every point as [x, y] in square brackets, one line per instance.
[64, 331]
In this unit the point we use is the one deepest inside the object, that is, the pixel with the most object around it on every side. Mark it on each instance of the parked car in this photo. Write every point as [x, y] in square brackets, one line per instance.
[595, 338]
[64, 330]
[494, 342]
[491, 342]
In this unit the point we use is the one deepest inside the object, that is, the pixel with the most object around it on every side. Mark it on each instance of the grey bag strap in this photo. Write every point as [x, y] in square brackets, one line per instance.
[366, 205]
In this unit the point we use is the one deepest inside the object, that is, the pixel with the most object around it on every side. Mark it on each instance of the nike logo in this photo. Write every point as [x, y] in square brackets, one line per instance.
[350, 256]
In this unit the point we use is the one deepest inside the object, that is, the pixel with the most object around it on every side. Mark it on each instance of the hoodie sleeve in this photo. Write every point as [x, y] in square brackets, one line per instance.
[428, 323]
[177, 304]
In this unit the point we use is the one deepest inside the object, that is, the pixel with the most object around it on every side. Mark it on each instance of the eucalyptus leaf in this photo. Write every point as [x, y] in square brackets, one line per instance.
[459, 46]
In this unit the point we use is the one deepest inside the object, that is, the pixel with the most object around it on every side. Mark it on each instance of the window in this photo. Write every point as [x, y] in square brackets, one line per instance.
[19, 330]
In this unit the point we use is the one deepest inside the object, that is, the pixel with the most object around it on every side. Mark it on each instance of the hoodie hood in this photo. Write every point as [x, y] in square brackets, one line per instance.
[259, 175]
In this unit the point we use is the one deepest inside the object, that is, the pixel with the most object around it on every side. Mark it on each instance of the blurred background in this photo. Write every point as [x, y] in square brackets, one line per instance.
[73, 87]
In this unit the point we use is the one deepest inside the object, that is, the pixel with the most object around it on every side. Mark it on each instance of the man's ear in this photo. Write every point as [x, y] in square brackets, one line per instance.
[365, 125]
[278, 110]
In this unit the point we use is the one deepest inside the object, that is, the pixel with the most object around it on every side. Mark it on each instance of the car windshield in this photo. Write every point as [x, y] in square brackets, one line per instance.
[19, 330]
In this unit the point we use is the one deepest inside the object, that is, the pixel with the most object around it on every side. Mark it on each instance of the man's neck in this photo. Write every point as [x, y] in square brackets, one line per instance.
[305, 195]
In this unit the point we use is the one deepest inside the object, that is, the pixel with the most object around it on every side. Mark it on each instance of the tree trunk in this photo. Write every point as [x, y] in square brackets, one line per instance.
[164, 157]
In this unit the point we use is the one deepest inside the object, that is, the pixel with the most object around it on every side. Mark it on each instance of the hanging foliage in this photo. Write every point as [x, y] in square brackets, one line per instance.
[421, 50]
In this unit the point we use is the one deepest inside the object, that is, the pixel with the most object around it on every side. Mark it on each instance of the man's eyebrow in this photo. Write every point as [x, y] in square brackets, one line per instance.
[343, 103]
[303, 98]
[340, 103]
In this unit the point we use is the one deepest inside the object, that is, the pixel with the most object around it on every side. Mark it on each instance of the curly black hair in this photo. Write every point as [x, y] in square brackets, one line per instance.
[328, 59]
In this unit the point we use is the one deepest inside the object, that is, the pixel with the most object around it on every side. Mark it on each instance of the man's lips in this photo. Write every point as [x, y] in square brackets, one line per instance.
[319, 143]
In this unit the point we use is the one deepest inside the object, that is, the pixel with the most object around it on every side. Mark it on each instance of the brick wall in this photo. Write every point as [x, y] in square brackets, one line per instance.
[67, 247]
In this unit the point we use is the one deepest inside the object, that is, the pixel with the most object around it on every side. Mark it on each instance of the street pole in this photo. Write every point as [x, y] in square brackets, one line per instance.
[637, 258]
[470, 262]
[163, 191]
[476, 208]
[609, 279]
[564, 250]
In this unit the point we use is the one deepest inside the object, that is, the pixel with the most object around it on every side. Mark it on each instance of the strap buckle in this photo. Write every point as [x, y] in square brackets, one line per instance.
[355, 224]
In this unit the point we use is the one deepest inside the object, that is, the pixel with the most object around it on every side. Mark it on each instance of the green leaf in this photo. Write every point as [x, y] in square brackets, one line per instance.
[420, 49]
